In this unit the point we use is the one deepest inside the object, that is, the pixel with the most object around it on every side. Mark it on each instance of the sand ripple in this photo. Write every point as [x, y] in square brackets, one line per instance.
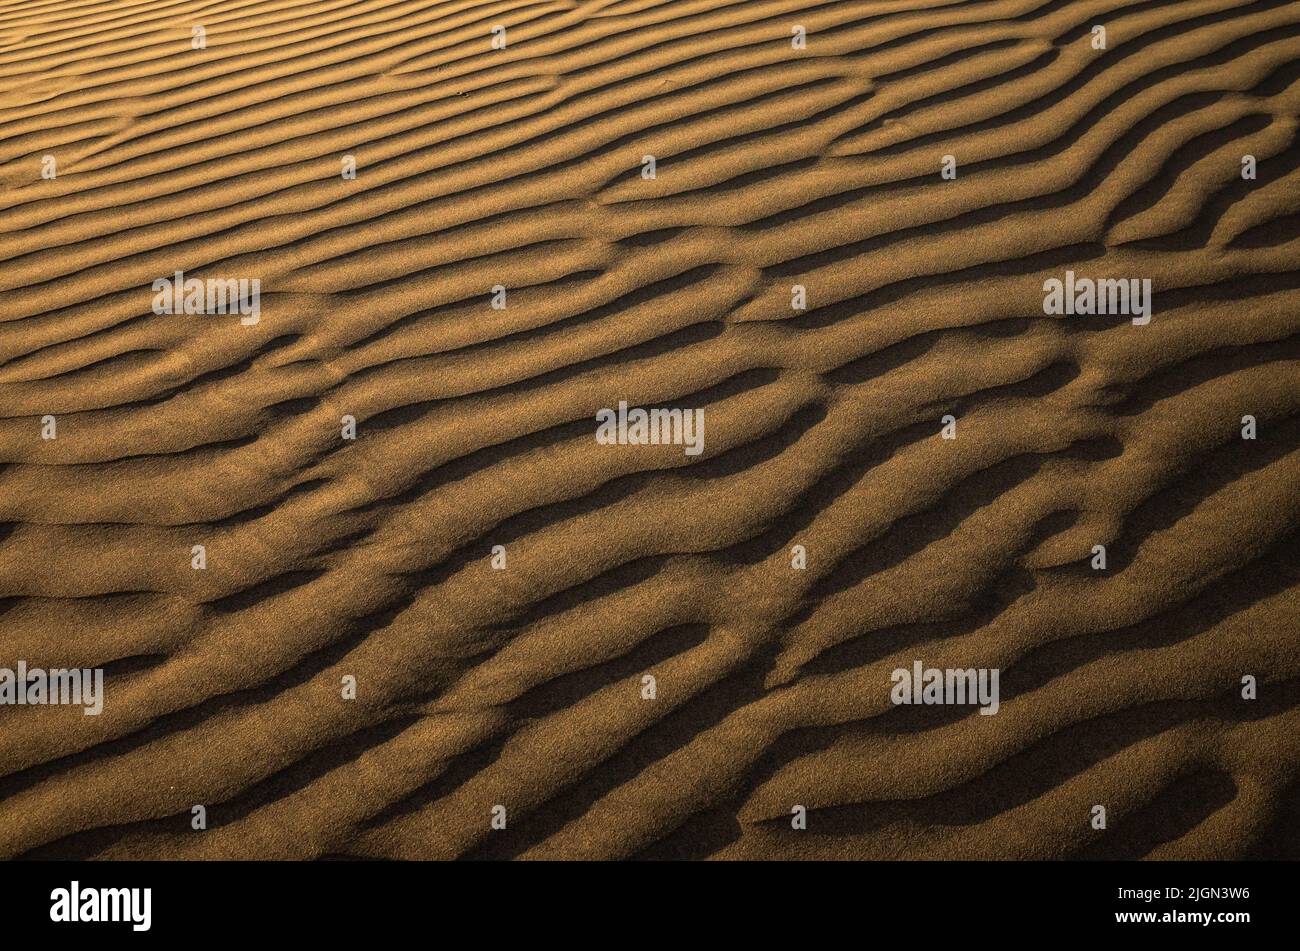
[776, 167]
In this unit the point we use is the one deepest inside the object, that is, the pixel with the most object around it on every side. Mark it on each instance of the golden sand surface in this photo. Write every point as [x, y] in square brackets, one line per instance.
[798, 148]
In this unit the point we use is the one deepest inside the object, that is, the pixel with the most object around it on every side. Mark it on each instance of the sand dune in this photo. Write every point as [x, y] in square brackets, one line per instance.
[501, 268]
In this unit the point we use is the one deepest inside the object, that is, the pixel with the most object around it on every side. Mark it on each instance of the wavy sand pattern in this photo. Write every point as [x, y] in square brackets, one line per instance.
[776, 167]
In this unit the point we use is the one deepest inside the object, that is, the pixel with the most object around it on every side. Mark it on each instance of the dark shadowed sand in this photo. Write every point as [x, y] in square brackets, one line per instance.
[776, 167]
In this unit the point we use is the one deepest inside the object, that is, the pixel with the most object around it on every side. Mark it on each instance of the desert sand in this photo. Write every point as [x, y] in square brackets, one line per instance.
[501, 266]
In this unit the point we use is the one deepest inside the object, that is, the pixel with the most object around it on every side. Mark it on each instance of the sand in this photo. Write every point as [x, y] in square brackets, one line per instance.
[500, 268]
